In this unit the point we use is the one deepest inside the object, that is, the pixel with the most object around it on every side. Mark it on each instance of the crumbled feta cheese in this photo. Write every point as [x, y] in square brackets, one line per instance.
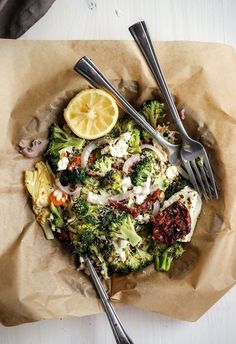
[123, 243]
[119, 150]
[138, 189]
[140, 199]
[172, 172]
[126, 136]
[145, 218]
[63, 152]
[126, 184]
[146, 188]
[62, 163]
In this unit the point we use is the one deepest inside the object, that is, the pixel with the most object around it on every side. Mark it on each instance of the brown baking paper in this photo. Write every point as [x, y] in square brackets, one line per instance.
[38, 279]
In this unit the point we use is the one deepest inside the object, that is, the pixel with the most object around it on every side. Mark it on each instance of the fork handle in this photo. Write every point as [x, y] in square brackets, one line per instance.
[141, 36]
[118, 330]
[90, 71]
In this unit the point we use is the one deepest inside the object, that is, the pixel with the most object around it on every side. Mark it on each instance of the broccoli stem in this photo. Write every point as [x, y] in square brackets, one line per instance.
[165, 262]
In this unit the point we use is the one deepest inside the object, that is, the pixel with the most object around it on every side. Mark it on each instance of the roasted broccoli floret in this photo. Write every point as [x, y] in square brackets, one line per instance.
[124, 228]
[169, 254]
[134, 142]
[169, 135]
[153, 110]
[90, 183]
[85, 211]
[144, 169]
[85, 236]
[75, 176]
[99, 260]
[112, 181]
[59, 139]
[57, 219]
[102, 164]
[122, 125]
[145, 136]
[178, 184]
[164, 255]
[124, 258]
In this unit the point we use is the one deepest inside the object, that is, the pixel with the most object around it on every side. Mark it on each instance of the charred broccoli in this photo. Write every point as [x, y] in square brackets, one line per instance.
[86, 234]
[134, 142]
[90, 183]
[85, 211]
[59, 139]
[164, 255]
[153, 110]
[122, 125]
[145, 136]
[99, 260]
[178, 184]
[144, 169]
[75, 176]
[112, 181]
[123, 258]
[102, 164]
[123, 227]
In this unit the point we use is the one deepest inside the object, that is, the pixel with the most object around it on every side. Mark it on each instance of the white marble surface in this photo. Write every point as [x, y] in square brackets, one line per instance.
[201, 20]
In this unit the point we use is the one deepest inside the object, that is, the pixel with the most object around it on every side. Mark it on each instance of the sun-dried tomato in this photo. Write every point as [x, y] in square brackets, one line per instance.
[74, 162]
[172, 223]
[147, 203]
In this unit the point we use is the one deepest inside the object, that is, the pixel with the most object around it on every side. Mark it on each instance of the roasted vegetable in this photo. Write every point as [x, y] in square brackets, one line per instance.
[90, 183]
[112, 181]
[59, 139]
[73, 177]
[102, 164]
[123, 258]
[178, 184]
[123, 125]
[153, 110]
[134, 142]
[164, 255]
[144, 169]
[40, 185]
[84, 237]
[99, 260]
[56, 216]
[123, 228]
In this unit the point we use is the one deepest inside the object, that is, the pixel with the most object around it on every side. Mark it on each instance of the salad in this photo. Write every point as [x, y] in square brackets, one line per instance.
[106, 188]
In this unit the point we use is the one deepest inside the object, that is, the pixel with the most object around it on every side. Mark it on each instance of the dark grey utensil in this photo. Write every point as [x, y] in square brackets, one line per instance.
[192, 152]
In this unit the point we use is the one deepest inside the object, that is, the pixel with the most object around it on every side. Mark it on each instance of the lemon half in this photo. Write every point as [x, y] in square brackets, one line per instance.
[91, 114]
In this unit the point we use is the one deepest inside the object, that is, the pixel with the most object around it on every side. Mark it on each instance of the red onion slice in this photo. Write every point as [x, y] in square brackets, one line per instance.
[134, 159]
[156, 208]
[182, 172]
[33, 151]
[103, 200]
[67, 189]
[97, 199]
[155, 150]
[88, 150]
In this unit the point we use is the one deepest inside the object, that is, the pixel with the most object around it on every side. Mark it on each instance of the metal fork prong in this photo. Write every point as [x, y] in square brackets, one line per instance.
[209, 173]
[204, 177]
[199, 178]
[191, 175]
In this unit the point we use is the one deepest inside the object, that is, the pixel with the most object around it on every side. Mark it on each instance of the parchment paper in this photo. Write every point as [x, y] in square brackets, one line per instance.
[38, 279]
